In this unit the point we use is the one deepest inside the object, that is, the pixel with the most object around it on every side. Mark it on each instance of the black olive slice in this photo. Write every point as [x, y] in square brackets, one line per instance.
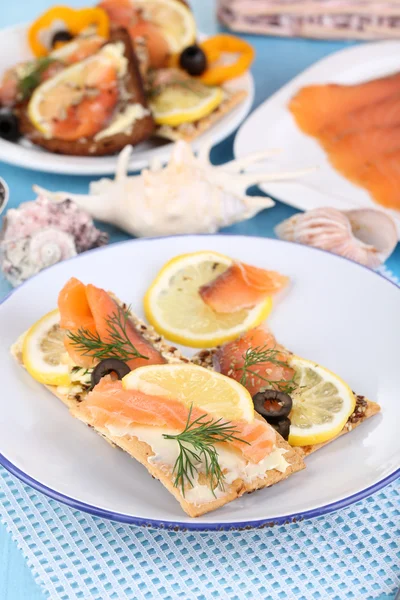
[282, 427]
[9, 127]
[272, 405]
[107, 366]
[193, 60]
[61, 36]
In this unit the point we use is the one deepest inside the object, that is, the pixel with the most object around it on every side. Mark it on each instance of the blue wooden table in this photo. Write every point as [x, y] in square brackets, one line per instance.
[276, 63]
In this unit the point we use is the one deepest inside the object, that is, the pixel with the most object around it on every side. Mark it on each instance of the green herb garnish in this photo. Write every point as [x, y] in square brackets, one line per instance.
[118, 345]
[197, 446]
[33, 77]
[264, 354]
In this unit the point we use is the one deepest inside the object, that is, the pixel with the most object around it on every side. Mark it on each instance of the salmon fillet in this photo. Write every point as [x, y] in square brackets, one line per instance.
[381, 178]
[241, 286]
[231, 357]
[86, 307]
[110, 405]
[315, 106]
[384, 113]
[354, 151]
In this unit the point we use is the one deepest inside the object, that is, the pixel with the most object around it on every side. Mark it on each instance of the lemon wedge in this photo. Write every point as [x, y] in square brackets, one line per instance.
[322, 404]
[184, 102]
[43, 351]
[174, 307]
[192, 385]
[174, 18]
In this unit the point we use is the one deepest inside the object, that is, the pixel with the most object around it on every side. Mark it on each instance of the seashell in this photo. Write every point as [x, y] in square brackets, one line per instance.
[50, 246]
[4, 194]
[189, 195]
[365, 235]
[40, 233]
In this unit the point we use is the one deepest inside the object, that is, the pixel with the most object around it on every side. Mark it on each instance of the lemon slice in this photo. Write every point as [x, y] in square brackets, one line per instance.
[185, 102]
[190, 384]
[175, 105]
[58, 93]
[174, 18]
[322, 404]
[43, 351]
[174, 307]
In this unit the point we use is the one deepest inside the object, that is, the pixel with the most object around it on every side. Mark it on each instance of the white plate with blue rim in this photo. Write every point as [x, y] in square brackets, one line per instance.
[14, 49]
[337, 313]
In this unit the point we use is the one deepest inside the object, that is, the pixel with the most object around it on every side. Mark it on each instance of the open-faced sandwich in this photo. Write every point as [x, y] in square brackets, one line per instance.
[94, 107]
[117, 74]
[193, 429]
[208, 300]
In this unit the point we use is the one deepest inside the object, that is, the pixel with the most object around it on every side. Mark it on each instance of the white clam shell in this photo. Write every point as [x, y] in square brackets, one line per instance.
[367, 236]
[189, 195]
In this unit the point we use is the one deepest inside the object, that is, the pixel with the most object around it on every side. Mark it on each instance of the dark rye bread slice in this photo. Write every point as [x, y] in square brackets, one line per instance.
[141, 130]
[363, 410]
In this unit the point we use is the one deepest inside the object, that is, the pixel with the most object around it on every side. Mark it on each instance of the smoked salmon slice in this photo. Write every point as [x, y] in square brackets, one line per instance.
[352, 152]
[103, 307]
[385, 113]
[315, 106]
[359, 128]
[75, 314]
[241, 286]
[111, 406]
[267, 367]
[381, 178]
[86, 307]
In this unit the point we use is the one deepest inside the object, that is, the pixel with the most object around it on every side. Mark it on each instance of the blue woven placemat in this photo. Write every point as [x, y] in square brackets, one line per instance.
[351, 554]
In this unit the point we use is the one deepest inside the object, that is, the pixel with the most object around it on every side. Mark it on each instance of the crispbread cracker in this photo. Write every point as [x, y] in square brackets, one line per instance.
[190, 131]
[371, 409]
[141, 451]
[364, 408]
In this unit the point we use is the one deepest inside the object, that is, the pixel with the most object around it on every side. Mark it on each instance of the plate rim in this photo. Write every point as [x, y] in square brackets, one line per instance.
[193, 525]
[136, 164]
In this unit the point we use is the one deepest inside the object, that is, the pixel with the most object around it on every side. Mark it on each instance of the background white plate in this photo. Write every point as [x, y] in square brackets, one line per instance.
[272, 126]
[14, 49]
[338, 313]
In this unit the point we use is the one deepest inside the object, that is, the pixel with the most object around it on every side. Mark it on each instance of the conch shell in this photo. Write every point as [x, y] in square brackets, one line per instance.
[189, 195]
[365, 235]
[40, 233]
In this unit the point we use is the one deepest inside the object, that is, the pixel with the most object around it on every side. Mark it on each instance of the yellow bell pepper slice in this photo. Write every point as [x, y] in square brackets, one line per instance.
[75, 22]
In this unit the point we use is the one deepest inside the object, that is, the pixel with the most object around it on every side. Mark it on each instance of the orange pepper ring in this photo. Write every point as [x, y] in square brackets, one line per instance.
[75, 20]
[215, 46]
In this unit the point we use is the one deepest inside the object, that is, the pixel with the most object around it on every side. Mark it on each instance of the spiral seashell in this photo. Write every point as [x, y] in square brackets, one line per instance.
[40, 233]
[49, 246]
[366, 236]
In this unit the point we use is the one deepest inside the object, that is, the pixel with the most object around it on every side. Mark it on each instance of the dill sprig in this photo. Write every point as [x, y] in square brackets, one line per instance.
[32, 78]
[197, 447]
[118, 345]
[264, 354]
